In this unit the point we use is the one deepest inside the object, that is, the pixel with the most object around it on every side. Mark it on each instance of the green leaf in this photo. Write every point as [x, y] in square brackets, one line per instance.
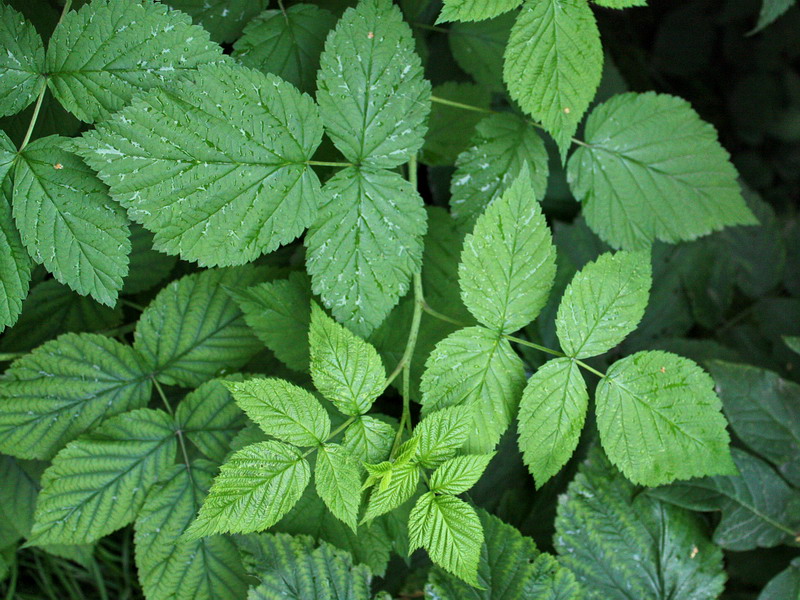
[15, 264]
[551, 416]
[223, 19]
[369, 439]
[477, 368]
[450, 129]
[660, 420]
[104, 54]
[191, 330]
[287, 43]
[509, 262]
[371, 92]
[784, 585]
[147, 267]
[397, 486]
[457, 475]
[502, 145]
[449, 529]
[553, 64]
[770, 11]
[338, 479]
[653, 170]
[478, 48]
[346, 369]
[66, 387]
[172, 567]
[793, 341]
[474, 10]
[22, 62]
[232, 183]
[622, 545]
[442, 433]
[8, 152]
[604, 302]
[551, 581]
[19, 491]
[67, 221]
[365, 244]
[98, 483]
[254, 489]
[620, 3]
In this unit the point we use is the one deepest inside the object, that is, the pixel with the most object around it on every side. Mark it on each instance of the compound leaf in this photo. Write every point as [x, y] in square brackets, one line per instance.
[474, 10]
[338, 480]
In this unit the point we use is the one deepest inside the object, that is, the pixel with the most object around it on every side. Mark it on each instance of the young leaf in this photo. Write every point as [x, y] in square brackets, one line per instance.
[22, 62]
[474, 10]
[338, 479]
[346, 369]
[660, 420]
[172, 567]
[372, 95]
[365, 244]
[604, 303]
[98, 483]
[551, 416]
[397, 486]
[457, 475]
[15, 264]
[509, 262]
[102, 55]
[67, 221]
[254, 489]
[442, 433]
[478, 49]
[449, 529]
[66, 387]
[283, 410]
[223, 19]
[553, 64]
[652, 170]
[232, 183]
[369, 439]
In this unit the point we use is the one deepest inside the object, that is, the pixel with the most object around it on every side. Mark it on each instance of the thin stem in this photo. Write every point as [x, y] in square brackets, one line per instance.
[161, 393]
[332, 434]
[431, 27]
[133, 305]
[437, 315]
[544, 349]
[322, 163]
[36, 109]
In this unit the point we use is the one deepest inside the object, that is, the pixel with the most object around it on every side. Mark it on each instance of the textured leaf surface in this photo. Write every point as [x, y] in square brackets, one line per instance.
[369, 439]
[660, 420]
[19, 491]
[457, 475]
[98, 483]
[102, 55]
[551, 416]
[338, 480]
[478, 48]
[67, 221]
[223, 19]
[553, 64]
[365, 244]
[442, 433]
[509, 262]
[220, 178]
[654, 170]
[394, 490]
[66, 387]
[474, 10]
[15, 264]
[22, 62]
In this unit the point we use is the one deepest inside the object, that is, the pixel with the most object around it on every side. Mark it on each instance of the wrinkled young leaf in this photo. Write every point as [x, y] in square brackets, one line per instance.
[369, 439]
[223, 19]
[338, 480]
[457, 475]
[441, 433]
[474, 10]
[397, 486]
[21, 63]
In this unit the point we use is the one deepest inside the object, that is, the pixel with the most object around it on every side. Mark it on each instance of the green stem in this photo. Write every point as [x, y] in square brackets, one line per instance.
[163, 396]
[322, 163]
[133, 305]
[431, 28]
[332, 434]
[178, 432]
[7, 356]
[36, 109]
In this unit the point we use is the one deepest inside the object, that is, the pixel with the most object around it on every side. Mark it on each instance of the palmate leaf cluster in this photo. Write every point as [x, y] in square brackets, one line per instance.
[284, 305]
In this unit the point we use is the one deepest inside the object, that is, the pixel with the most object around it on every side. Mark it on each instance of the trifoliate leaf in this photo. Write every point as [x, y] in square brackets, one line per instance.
[346, 369]
[338, 480]
[551, 416]
[287, 43]
[604, 303]
[22, 63]
[457, 475]
[67, 221]
[254, 489]
[283, 410]
[449, 529]
[19, 491]
[478, 48]
[15, 264]
[220, 178]
[553, 64]
[223, 19]
[474, 10]
[66, 387]
[509, 262]
[369, 439]
[365, 244]
[98, 483]
[397, 486]
[652, 170]
[172, 567]
[477, 368]
[660, 420]
[147, 267]
[102, 55]
[502, 145]
[372, 95]
[442, 433]
[192, 330]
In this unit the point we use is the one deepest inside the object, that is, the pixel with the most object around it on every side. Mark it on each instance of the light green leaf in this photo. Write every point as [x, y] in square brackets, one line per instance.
[369, 439]
[102, 55]
[66, 387]
[287, 43]
[22, 62]
[365, 244]
[283, 410]
[660, 420]
[502, 145]
[172, 567]
[450, 129]
[191, 330]
[457, 475]
[603, 303]
[223, 19]
[477, 368]
[442, 433]
[67, 221]
[620, 3]
[509, 262]
[474, 10]
[551, 416]
[338, 479]
[397, 486]
[478, 48]
[345, 368]
[254, 489]
[232, 182]
[653, 170]
[553, 64]
[147, 267]
[15, 264]
[372, 95]
[449, 529]
[98, 483]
